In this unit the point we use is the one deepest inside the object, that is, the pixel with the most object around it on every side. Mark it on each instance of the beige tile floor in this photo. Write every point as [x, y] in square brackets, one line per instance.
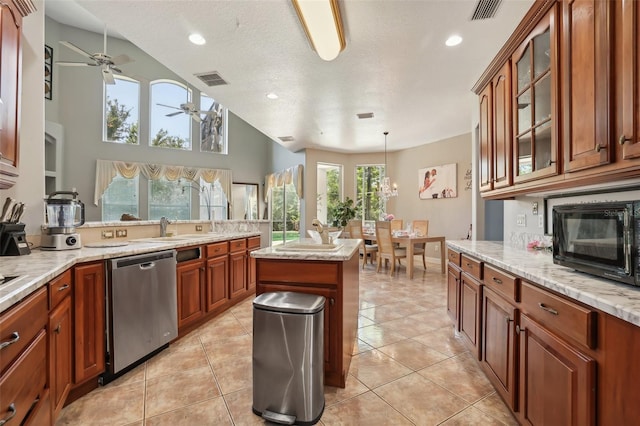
[408, 369]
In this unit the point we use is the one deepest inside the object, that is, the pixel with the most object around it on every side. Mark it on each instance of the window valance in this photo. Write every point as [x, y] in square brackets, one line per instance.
[107, 170]
[291, 175]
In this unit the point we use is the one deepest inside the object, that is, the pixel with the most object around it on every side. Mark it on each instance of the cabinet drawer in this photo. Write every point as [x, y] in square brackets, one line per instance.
[471, 266]
[502, 282]
[560, 315]
[453, 256]
[253, 242]
[59, 288]
[20, 325]
[217, 249]
[295, 272]
[237, 245]
[25, 380]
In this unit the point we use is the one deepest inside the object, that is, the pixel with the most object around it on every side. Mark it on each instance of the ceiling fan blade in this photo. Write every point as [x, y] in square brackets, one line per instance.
[208, 112]
[76, 49]
[196, 118]
[121, 59]
[169, 106]
[107, 75]
[116, 69]
[173, 114]
[75, 64]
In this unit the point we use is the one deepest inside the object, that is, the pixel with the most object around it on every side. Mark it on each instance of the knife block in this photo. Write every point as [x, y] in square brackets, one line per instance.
[13, 240]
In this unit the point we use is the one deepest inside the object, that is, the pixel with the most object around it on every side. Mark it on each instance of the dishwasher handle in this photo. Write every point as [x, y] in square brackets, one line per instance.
[148, 265]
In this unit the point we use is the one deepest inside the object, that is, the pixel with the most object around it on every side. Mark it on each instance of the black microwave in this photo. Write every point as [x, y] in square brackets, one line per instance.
[599, 238]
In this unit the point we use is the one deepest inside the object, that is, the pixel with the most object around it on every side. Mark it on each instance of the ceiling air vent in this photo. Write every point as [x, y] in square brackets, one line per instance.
[286, 138]
[365, 115]
[485, 9]
[211, 79]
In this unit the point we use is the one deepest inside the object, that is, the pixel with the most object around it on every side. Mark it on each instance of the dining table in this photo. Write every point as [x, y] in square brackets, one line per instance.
[408, 241]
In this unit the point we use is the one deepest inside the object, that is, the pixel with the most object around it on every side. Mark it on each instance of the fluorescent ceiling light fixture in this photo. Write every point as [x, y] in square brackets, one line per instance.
[454, 40]
[322, 22]
[272, 96]
[197, 39]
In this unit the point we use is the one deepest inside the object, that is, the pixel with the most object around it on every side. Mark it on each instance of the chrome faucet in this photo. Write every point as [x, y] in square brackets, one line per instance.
[324, 233]
[163, 226]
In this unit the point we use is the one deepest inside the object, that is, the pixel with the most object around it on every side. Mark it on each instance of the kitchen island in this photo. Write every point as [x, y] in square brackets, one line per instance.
[332, 273]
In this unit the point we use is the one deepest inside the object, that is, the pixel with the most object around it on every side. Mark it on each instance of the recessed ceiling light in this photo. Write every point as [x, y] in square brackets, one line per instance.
[272, 95]
[197, 39]
[454, 40]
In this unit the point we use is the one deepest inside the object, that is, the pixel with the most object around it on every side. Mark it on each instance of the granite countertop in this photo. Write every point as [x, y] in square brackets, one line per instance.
[38, 268]
[345, 252]
[617, 299]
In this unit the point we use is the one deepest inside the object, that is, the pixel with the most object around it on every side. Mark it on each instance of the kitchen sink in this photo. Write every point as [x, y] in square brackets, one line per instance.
[308, 247]
[165, 239]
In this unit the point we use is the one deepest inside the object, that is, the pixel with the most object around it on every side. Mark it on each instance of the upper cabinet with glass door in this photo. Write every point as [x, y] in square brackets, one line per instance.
[535, 104]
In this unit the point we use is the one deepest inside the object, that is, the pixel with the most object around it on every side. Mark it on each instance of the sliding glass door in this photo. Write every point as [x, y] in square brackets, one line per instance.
[285, 214]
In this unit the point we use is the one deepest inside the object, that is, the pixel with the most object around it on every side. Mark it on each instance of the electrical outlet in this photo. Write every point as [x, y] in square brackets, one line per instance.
[198, 228]
[534, 208]
[540, 221]
[107, 234]
[521, 220]
[436, 247]
[121, 233]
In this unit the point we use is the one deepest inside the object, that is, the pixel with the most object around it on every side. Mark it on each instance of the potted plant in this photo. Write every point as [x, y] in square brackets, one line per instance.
[343, 212]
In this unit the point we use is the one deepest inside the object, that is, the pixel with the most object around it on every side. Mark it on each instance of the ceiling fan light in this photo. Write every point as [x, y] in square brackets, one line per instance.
[197, 39]
[322, 23]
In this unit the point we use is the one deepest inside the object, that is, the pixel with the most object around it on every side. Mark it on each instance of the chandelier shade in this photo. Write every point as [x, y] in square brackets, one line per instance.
[387, 190]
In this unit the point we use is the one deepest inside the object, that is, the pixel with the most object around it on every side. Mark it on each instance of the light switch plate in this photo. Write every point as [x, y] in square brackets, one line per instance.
[540, 221]
[521, 220]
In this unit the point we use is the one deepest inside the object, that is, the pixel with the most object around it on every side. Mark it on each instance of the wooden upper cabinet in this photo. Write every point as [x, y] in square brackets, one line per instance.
[502, 141]
[486, 139]
[587, 85]
[534, 86]
[630, 75]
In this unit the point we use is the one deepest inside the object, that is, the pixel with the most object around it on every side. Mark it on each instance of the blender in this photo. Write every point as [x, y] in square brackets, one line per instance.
[62, 215]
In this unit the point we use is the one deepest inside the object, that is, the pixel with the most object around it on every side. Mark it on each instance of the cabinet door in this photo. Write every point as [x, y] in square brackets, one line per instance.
[485, 145]
[557, 382]
[502, 140]
[630, 75]
[534, 88]
[453, 294]
[89, 321]
[251, 272]
[60, 344]
[586, 61]
[190, 282]
[471, 312]
[238, 273]
[498, 344]
[10, 72]
[217, 285]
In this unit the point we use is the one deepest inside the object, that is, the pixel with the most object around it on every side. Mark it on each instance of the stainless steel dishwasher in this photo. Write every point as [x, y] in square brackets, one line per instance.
[142, 309]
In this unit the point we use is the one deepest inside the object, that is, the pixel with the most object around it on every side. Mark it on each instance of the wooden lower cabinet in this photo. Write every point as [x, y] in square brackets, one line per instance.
[190, 280]
[471, 312]
[453, 294]
[499, 349]
[60, 355]
[253, 244]
[217, 282]
[237, 270]
[89, 321]
[557, 381]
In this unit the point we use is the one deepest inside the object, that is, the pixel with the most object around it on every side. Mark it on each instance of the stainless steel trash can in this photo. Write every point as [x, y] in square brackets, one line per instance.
[288, 357]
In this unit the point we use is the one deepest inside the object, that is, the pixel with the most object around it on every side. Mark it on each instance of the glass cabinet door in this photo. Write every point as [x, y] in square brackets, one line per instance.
[535, 149]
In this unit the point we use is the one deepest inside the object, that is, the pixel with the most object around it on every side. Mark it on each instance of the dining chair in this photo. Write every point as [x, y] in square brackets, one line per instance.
[396, 225]
[386, 249]
[421, 228]
[355, 231]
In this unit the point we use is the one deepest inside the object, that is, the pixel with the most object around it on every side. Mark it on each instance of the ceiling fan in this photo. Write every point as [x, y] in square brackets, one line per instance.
[108, 64]
[190, 109]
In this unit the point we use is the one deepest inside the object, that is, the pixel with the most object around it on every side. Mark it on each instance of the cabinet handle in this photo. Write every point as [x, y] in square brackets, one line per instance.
[332, 301]
[600, 147]
[623, 139]
[14, 338]
[497, 280]
[548, 309]
[468, 265]
[518, 329]
[63, 287]
[549, 163]
[12, 412]
[508, 319]
[57, 329]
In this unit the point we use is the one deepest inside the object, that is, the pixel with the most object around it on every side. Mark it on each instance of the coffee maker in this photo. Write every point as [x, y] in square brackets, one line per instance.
[62, 215]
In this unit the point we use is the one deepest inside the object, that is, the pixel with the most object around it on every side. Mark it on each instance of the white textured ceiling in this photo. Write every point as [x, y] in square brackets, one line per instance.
[395, 63]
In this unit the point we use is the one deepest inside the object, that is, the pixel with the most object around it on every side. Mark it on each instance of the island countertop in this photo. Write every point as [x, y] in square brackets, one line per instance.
[347, 249]
[39, 267]
[620, 300]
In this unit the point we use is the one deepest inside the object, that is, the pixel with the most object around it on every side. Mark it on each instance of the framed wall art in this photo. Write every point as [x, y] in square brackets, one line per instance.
[438, 182]
[48, 72]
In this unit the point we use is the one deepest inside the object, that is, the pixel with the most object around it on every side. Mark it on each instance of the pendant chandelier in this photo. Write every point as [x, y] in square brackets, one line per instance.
[386, 189]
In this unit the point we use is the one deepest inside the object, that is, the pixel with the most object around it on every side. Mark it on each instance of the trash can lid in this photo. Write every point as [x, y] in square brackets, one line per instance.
[289, 301]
